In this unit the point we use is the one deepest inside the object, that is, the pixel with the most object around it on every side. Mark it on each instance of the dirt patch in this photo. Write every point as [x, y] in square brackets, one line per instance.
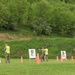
[6, 36]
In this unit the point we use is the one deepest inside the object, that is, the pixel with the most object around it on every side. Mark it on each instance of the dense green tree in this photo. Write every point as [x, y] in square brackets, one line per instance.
[18, 14]
[42, 16]
[4, 16]
[39, 19]
[61, 20]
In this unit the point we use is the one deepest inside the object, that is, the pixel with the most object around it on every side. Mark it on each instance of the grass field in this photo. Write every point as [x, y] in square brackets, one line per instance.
[29, 67]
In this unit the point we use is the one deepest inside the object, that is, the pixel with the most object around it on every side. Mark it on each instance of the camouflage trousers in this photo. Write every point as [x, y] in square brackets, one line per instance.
[7, 56]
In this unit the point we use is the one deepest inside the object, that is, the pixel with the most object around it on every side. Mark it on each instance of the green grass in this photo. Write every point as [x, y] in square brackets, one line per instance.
[29, 67]
[55, 45]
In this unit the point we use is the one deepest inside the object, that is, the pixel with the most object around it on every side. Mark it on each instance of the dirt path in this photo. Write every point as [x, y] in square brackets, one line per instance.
[6, 36]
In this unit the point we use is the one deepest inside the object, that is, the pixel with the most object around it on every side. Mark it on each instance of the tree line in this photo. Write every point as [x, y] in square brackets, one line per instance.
[41, 16]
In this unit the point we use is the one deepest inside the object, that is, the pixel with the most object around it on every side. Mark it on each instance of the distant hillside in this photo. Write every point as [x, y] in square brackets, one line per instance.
[26, 24]
[23, 40]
